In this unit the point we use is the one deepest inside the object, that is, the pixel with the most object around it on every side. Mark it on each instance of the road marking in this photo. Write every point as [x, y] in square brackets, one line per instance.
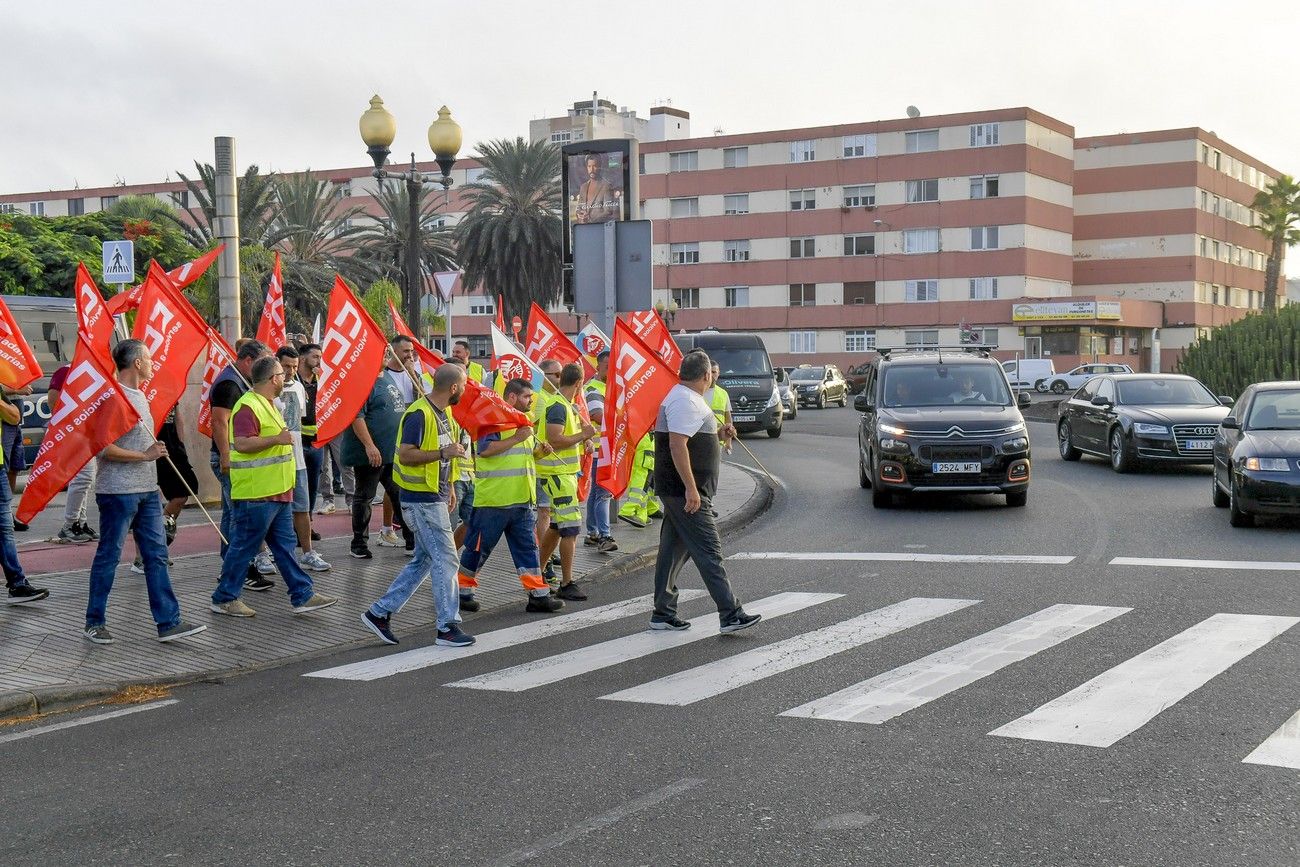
[585, 660]
[94, 718]
[715, 678]
[596, 823]
[909, 557]
[1263, 565]
[907, 687]
[422, 657]
[1118, 702]
[1282, 748]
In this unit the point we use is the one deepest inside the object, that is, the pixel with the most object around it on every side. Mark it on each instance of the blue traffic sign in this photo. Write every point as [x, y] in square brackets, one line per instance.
[119, 261]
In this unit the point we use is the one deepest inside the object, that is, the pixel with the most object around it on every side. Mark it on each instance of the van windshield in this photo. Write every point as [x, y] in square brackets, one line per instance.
[734, 361]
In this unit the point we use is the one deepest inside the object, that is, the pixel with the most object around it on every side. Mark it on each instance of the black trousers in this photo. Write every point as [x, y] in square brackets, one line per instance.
[694, 537]
[369, 479]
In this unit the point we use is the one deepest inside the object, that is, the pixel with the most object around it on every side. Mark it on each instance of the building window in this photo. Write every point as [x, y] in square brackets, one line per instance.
[684, 161]
[182, 199]
[921, 241]
[76, 207]
[36, 209]
[923, 337]
[984, 187]
[860, 196]
[1205, 200]
[640, 164]
[803, 200]
[863, 145]
[1214, 294]
[803, 342]
[342, 189]
[803, 248]
[984, 237]
[107, 202]
[562, 137]
[8, 208]
[735, 158]
[685, 254]
[803, 294]
[686, 299]
[860, 292]
[983, 288]
[982, 336]
[983, 134]
[859, 245]
[921, 290]
[922, 141]
[684, 207]
[859, 340]
[1205, 247]
[1214, 250]
[736, 296]
[736, 204]
[735, 251]
[482, 305]
[923, 191]
[803, 151]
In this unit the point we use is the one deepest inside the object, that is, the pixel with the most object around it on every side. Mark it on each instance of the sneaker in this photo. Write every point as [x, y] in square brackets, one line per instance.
[257, 583]
[20, 527]
[607, 545]
[315, 603]
[549, 574]
[555, 559]
[99, 634]
[470, 604]
[137, 567]
[389, 539]
[169, 527]
[453, 637]
[327, 508]
[592, 540]
[547, 604]
[379, 626]
[315, 537]
[739, 622]
[24, 593]
[180, 630]
[572, 592]
[71, 534]
[635, 522]
[233, 608]
[361, 552]
[379, 498]
[313, 562]
[674, 623]
[264, 563]
[88, 531]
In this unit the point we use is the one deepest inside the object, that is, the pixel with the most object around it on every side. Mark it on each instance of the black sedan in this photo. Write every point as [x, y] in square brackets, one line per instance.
[1135, 417]
[1257, 454]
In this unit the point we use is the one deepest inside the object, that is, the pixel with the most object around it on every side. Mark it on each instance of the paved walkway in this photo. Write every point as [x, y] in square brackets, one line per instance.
[45, 661]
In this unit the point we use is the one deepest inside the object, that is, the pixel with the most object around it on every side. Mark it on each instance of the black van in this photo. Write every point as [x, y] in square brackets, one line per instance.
[747, 375]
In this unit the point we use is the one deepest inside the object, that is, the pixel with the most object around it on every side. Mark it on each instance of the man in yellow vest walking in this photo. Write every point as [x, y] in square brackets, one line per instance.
[460, 355]
[262, 479]
[558, 472]
[718, 399]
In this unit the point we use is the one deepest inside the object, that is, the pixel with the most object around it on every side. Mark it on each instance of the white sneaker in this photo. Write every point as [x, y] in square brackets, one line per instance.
[137, 568]
[388, 538]
[312, 562]
[379, 498]
[328, 509]
[264, 563]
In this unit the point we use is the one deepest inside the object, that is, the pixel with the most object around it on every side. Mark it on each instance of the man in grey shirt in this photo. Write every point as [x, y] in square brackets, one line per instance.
[126, 491]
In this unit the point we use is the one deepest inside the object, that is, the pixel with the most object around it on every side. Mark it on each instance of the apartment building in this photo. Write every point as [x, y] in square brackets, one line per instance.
[597, 118]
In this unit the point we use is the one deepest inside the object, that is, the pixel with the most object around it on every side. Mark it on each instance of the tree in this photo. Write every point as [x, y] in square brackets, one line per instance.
[511, 240]
[1278, 206]
[1261, 347]
[312, 226]
[258, 207]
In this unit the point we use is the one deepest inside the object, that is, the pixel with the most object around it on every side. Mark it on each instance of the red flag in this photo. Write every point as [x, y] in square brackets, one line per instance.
[501, 314]
[182, 277]
[639, 380]
[94, 322]
[18, 366]
[211, 370]
[175, 334]
[91, 412]
[352, 355]
[649, 326]
[546, 340]
[271, 330]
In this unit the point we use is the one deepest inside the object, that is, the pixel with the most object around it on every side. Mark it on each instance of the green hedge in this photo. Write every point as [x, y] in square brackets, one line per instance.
[1261, 347]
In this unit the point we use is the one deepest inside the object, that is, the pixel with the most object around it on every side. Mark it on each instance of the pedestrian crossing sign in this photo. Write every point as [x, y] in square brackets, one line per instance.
[119, 261]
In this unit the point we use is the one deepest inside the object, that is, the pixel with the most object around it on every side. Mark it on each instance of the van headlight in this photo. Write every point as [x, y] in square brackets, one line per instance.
[774, 399]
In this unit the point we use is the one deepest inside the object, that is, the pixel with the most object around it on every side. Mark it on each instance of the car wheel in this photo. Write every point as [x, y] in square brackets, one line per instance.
[1059, 387]
[1016, 499]
[794, 411]
[864, 480]
[844, 399]
[881, 497]
[1041, 386]
[774, 432]
[1120, 459]
[1065, 442]
[821, 400]
[1236, 517]
[1217, 496]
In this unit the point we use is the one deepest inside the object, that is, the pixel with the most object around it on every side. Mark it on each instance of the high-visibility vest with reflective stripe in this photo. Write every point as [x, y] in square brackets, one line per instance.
[718, 401]
[425, 477]
[566, 461]
[475, 371]
[508, 478]
[597, 386]
[263, 474]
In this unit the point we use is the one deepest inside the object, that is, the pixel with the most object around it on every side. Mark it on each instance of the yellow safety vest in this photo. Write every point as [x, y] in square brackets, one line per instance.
[508, 478]
[597, 386]
[566, 461]
[718, 400]
[263, 474]
[425, 477]
[475, 371]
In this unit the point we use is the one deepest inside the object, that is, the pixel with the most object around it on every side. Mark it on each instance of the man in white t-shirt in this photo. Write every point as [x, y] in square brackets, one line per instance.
[292, 404]
[687, 459]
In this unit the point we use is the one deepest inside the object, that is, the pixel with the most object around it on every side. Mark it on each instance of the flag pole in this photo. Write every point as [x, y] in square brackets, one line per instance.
[221, 347]
[757, 461]
[206, 513]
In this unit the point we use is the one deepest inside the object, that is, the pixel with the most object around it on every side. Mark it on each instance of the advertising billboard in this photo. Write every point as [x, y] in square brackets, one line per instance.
[599, 184]
[1047, 311]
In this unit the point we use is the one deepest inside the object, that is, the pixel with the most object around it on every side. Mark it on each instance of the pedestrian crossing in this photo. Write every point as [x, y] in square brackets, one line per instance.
[1112, 706]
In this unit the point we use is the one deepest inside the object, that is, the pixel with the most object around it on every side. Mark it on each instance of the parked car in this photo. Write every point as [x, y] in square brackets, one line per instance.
[1029, 372]
[788, 400]
[819, 385]
[942, 421]
[856, 377]
[1135, 417]
[1066, 382]
[746, 373]
[1257, 454]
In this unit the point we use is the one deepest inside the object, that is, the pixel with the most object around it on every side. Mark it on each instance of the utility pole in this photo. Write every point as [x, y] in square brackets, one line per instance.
[226, 228]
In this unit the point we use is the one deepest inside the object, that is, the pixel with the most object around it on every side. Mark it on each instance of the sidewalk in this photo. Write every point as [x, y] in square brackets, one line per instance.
[45, 661]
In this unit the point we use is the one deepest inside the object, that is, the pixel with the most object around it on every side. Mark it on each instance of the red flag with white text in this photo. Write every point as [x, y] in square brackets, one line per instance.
[175, 334]
[212, 368]
[639, 380]
[271, 329]
[545, 340]
[182, 277]
[352, 355]
[18, 365]
[94, 322]
[650, 328]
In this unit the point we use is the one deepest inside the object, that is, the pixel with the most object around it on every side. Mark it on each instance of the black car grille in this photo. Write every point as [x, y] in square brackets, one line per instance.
[1185, 432]
[971, 452]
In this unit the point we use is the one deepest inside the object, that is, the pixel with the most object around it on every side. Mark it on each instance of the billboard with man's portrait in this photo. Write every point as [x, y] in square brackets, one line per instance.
[597, 178]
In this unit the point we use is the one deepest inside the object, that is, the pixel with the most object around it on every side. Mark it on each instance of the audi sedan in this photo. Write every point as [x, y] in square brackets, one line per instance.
[1257, 454]
[1134, 417]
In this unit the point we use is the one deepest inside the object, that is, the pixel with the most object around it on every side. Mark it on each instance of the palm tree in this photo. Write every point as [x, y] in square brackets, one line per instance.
[1278, 206]
[311, 224]
[511, 240]
[257, 206]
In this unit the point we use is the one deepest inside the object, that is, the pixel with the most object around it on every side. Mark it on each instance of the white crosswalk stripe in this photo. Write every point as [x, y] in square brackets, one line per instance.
[585, 660]
[1282, 748]
[410, 660]
[907, 687]
[907, 557]
[1119, 701]
[715, 678]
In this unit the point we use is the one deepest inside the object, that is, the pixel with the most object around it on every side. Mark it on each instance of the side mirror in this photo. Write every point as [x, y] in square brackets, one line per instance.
[862, 403]
[1022, 399]
[1101, 401]
[1225, 400]
[1230, 423]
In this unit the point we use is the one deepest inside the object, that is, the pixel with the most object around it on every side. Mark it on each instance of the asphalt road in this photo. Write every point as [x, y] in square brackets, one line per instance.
[1188, 671]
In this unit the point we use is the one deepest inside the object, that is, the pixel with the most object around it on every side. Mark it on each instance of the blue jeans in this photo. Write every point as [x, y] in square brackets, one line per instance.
[142, 515]
[464, 501]
[253, 523]
[14, 576]
[598, 502]
[489, 523]
[435, 556]
[224, 480]
[314, 458]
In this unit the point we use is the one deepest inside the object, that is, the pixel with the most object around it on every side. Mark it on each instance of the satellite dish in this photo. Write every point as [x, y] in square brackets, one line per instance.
[913, 111]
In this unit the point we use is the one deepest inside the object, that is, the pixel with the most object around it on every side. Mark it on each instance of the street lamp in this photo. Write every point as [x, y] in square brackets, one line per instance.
[667, 311]
[378, 129]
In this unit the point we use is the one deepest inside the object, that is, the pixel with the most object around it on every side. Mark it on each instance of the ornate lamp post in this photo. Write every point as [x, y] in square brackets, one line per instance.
[667, 311]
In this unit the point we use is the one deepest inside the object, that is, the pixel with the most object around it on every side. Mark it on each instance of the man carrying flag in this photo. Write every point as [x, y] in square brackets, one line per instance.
[558, 472]
[20, 591]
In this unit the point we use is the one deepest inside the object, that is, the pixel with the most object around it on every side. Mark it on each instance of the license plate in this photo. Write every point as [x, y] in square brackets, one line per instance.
[744, 418]
[955, 467]
[1197, 445]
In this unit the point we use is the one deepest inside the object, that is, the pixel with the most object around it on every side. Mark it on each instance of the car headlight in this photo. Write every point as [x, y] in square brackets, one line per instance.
[774, 399]
[1268, 465]
[1150, 430]
[1019, 444]
[893, 445]
[890, 429]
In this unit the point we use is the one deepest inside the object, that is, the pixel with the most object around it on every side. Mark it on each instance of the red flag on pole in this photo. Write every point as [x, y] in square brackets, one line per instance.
[18, 366]
[650, 328]
[182, 277]
[352, 355]
[546, 340]
[501, 314]
[91, 413]
[94, 322]
[639, 380]
[271, 329]
[175, 334]
[211, 370]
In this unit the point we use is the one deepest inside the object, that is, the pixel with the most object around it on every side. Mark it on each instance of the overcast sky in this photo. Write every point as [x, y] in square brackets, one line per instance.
[99, 91]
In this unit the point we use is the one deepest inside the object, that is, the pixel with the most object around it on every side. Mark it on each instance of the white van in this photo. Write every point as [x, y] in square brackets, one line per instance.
[1024, 373]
